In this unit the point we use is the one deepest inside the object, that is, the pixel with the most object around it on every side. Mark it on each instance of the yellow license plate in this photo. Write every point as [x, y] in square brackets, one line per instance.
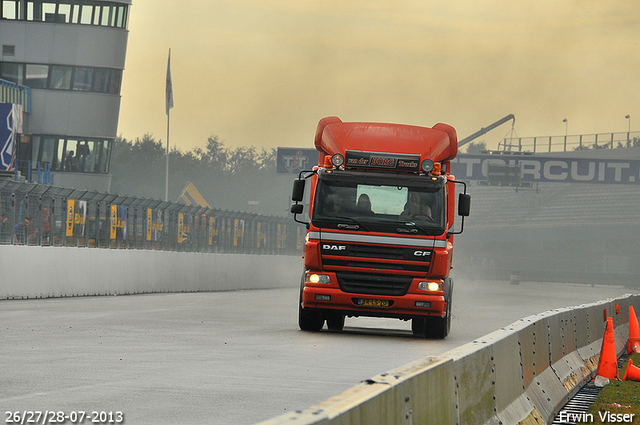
[373, 303]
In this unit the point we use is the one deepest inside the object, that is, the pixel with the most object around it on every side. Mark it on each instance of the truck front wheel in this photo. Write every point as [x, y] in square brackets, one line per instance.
[308, 320]
[418, 326]
[335, 321]
[436, 327]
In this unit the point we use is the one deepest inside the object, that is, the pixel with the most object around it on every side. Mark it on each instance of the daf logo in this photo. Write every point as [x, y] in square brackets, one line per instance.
[422, 253]
[335, 247]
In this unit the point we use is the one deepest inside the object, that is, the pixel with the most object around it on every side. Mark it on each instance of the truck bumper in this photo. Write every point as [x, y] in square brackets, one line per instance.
[351, 304]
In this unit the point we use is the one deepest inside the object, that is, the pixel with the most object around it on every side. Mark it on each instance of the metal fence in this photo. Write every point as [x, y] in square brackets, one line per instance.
[34, 214]
[571, 142]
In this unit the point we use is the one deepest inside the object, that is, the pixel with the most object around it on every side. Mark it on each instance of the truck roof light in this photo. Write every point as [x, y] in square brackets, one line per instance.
[327, 162]
[427, 165]
[337, 160]
[437, 170]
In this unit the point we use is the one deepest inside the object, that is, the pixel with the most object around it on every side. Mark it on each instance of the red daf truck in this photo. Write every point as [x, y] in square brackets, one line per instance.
[379, 241]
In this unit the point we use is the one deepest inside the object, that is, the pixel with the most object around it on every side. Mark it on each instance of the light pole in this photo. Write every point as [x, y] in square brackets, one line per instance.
[628, 117]
[566, 129]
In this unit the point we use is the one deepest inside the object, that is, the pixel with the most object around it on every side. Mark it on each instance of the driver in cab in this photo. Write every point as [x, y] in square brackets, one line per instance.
[416, 208]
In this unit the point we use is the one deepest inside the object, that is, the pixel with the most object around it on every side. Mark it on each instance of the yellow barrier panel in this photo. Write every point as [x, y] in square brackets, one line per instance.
[149, 223]
[114, 222]
[70, 216]
[180, 227]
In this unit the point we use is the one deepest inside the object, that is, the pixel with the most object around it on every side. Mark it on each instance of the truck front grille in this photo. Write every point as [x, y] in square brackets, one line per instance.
[422, 268]
[374, 284]
[376, 257]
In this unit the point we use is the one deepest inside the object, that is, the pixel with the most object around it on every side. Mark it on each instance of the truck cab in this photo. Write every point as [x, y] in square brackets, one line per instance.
[380, 212]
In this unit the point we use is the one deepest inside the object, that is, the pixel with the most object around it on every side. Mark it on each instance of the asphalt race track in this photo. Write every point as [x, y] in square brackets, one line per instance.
[225, 357]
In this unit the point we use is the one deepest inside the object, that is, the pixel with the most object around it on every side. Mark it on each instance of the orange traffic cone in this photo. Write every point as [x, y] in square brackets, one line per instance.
[632, 373]
[633, 344]
[608, 362]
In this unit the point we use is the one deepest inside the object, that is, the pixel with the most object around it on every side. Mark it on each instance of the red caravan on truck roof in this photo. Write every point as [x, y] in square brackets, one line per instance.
[380, 230]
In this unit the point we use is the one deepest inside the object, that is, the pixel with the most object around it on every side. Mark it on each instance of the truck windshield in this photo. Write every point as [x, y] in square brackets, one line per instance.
[390, 203]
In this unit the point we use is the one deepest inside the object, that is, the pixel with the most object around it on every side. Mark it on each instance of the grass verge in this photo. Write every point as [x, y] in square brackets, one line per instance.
[619, 401]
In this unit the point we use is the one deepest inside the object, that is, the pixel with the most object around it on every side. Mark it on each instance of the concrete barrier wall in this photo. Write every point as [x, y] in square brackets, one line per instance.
[521, 374]
[43, 272]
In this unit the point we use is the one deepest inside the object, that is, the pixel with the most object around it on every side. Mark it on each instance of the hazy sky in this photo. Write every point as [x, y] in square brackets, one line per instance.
[263, 72]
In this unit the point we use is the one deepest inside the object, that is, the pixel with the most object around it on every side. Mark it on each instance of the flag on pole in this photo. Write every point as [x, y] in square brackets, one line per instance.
[169, 89]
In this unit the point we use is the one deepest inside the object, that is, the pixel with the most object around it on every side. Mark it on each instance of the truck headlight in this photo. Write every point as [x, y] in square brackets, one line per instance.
[430, 286]
[337, 160]
[427, 165]
[317, 278]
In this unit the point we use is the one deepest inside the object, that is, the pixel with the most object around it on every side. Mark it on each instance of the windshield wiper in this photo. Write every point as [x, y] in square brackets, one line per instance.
[401, 230]
[355, 226]
[412, 227]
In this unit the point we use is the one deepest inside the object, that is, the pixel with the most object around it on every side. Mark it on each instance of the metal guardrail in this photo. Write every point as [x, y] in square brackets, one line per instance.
[571, 142]
[15, 93]
[33, 214]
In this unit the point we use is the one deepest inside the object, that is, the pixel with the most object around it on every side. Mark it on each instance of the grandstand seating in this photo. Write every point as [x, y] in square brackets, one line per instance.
[554, 205]
[566, 232]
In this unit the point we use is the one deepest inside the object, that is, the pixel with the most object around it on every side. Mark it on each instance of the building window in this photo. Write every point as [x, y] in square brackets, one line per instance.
[75, 14]
[100, 80]
[48, 13]
[61, 77]
[64, 11]
[9, 9]
[82, 12]
[82, 78]
[114, 82]
[106, 10]
[72, 154]
[87, 14]
[35, 76]
[13, 72]
[121, 18]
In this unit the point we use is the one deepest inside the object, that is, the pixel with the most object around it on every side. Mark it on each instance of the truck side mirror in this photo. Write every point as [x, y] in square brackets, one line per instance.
[297, 208]
[464, 204]
[298, 190]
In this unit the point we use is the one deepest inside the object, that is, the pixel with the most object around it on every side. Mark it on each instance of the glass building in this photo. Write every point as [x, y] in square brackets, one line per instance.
[71, 54]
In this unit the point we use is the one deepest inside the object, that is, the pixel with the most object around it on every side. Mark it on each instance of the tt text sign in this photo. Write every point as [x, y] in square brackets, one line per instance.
[293, 160]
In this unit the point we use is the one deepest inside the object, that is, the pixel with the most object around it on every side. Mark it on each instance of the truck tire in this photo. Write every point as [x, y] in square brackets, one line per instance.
[418, 326]
[308, 319]
[436, 327]
[335, 321]
[439, 327]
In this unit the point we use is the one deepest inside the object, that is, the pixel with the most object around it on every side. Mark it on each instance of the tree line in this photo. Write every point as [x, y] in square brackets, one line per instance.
[241, 179]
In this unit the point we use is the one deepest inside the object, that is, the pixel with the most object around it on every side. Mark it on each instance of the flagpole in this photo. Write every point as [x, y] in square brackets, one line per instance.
[169, 105]
[166, 181]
